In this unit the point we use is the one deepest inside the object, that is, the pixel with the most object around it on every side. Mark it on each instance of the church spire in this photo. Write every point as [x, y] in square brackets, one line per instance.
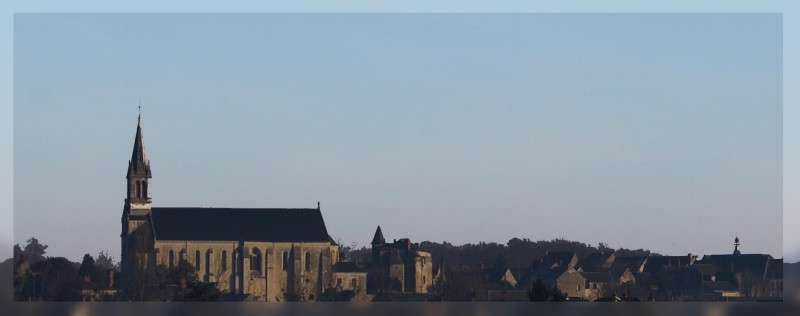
[138, 164]
[139, 174]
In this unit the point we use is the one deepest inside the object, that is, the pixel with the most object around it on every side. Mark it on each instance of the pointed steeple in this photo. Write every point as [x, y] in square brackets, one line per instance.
[139, 164]
[378, 239]
[139, 174]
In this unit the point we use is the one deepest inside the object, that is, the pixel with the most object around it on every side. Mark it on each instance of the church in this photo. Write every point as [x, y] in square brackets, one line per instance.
[261, 254]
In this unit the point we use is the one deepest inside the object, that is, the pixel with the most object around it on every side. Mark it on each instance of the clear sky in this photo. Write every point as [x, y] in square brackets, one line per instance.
[655, 131]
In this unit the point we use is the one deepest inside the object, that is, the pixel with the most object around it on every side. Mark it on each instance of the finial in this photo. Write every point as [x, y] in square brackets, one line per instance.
[317, 205]
[140, 110]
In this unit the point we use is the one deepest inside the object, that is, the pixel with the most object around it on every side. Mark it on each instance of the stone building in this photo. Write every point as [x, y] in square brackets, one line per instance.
[263, 254]
[399, 266]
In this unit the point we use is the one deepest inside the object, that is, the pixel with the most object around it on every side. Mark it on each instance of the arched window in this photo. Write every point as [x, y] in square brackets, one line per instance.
[285, 260]
[197, 260]
[138, 188]
[308, 261]
[224, 260]
[171, 259]
[255, 260]
[144, 189]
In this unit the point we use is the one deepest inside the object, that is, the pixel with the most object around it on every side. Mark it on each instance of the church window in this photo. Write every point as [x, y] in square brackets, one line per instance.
[171, 259]
[144, 189]
[197, 260]
[138, 189]
[224, 260]
[423, 280]
[255, 260]
[208, 264]
[285, 260]
[308, 261]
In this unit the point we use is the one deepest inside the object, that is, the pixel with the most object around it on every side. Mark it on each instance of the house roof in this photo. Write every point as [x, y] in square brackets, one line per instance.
[631, 262]
[756, 263]
[597, 261]
[237, 224]
[598, 277]
[349, 267]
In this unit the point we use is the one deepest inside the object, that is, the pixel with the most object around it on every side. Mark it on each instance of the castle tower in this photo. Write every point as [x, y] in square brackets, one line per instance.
[377, 244]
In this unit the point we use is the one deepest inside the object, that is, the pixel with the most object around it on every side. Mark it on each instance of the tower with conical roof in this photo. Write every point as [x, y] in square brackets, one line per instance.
[377, 243]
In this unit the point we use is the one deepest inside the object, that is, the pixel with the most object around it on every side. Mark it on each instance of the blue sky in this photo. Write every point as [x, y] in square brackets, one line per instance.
[654, 131]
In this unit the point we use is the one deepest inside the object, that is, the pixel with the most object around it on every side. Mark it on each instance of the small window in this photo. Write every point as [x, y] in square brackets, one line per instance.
[308, 261]
[197, 260]
[285, 261]
[171, 259]
[224, 260]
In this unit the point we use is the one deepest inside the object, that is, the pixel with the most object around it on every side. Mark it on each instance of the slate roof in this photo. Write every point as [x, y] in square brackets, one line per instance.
[755, 263]
[235, 224]
[597, 261]
[349, 267]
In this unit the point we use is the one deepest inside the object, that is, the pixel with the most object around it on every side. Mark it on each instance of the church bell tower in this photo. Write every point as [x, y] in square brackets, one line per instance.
[138, 199]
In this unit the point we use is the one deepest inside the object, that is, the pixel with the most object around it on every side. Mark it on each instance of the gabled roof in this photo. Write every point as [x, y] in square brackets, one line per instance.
[560, 258]
[635, 263]
[236, 224]
[597, 261]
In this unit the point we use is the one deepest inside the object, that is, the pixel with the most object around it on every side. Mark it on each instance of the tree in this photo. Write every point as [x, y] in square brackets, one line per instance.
[34, 250]
[500, 262]
[87, 266]
[538, 292]
[57, 280]
[558, 296]
[105, 261]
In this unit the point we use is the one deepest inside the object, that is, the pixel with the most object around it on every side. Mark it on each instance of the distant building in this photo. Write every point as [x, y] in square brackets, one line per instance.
[399, 266]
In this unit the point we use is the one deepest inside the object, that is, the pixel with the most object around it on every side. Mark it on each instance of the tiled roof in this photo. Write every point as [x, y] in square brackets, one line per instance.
[235, 224]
